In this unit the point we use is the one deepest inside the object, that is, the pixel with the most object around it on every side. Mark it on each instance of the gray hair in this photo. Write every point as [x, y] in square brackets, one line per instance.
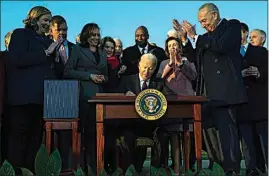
[172, 33]
[8, 38]
[150, 56]
[263, 34]
[211, 7]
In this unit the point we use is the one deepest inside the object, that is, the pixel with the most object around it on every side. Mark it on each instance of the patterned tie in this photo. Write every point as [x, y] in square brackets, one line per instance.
[62, 52]
[243, 51]
[144, 86]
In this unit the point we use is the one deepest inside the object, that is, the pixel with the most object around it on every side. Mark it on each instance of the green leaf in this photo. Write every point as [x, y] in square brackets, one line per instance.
[26, 172]
[41, 161]
[204, 172]
[162, 172]
[189, 173]
[117, 172]
[89, 169]
[79, 172]
[131, 171]
[153, 171]
[103, 172]
[217, 170]
[172, 173]
[7, 169]
[54, 165]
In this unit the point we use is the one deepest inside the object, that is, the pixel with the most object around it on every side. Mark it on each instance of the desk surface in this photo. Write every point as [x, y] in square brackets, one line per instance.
[131, 99]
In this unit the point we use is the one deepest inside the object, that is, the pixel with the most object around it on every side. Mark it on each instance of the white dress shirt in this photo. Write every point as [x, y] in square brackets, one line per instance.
[142, 82]
[146, 49]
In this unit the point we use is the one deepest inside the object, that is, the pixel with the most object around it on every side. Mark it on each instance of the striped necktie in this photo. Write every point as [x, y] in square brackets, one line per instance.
[62, 52]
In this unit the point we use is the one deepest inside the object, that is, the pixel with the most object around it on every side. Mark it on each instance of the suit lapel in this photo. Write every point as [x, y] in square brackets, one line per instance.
[70, 46]
[137, 84]
[87, 53]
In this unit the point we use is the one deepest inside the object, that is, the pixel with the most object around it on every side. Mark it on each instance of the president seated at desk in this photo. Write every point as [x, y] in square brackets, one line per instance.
[132, 85]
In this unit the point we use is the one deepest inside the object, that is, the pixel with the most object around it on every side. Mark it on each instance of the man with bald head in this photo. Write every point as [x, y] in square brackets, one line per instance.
[257, 37]
[219, 66]
[131, 55]
[132, 129]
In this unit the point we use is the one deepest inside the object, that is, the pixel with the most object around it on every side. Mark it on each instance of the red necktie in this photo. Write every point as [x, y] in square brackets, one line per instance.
[144, 86]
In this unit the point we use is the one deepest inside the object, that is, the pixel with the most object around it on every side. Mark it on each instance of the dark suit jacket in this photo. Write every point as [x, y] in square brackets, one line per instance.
[59, 66]
[2, 80]
[27, 67]
[132, 83]
[257, 88]
[132, 55]
[80, 65]
[219, 64]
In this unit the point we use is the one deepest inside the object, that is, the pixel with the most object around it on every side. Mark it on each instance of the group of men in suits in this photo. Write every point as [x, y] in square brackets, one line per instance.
[235, 84]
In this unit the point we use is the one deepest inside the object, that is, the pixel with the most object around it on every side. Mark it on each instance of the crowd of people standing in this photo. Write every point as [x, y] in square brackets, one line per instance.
[220, 64]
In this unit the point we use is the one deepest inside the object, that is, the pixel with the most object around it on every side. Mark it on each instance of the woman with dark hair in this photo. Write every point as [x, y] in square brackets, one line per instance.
[115, 68]
[30, 62]
[177, 73]
[87, 63]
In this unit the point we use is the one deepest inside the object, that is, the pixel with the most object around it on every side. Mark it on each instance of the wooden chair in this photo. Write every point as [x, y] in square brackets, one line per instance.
[61, 106]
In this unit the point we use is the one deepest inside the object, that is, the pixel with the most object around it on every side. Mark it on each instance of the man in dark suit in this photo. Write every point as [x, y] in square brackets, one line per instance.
[58, 29]
[219, 79]
[253, 116]
[131, 55]
[132, 85]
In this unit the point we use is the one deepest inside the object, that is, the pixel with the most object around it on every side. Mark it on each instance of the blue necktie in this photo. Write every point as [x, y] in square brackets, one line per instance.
[242, 51]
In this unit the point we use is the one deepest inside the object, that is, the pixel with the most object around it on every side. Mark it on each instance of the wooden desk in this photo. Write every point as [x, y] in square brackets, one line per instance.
[123, 107]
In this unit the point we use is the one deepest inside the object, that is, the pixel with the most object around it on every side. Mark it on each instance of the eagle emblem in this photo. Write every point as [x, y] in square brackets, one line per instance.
[151, 104]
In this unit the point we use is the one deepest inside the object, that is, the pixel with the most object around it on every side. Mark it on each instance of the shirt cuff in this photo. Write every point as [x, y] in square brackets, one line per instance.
[195, 39]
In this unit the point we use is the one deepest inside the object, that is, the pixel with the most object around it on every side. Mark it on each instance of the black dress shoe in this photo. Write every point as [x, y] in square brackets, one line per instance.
[253, 172]
[230, 173]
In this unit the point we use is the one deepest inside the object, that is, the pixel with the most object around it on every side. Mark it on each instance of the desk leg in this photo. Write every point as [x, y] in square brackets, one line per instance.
[74, 144]
[198, 134]
[186, 145]
[48, 126]
[100, 137]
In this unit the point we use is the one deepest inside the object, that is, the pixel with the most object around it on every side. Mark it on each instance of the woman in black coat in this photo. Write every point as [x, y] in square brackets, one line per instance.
[30, 62]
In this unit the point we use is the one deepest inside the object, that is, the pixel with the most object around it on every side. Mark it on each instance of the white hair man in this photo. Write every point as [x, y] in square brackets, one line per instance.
[132, 85]
[216, 48]
[257, 37]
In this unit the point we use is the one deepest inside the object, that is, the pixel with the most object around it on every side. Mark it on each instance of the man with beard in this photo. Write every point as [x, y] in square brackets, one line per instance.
[58, 29]
[131, 55]
[219, 67]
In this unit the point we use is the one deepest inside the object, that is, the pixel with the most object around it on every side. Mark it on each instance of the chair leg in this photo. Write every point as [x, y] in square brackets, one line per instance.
[48, 126]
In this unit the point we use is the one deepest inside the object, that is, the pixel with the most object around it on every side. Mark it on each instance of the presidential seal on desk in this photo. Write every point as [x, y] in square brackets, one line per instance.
[151, 104]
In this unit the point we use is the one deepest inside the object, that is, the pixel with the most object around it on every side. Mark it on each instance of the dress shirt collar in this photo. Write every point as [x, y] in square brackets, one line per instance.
[146, 49]
[142, 81]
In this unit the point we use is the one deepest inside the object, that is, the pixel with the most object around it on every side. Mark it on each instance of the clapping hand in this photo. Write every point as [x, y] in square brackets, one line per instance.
[122, 69]
[182, 34]
[251, 71]
[51, 48]
[189, 28]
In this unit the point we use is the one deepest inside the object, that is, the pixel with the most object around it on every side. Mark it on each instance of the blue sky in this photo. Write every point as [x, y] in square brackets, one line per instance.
[121, 18]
